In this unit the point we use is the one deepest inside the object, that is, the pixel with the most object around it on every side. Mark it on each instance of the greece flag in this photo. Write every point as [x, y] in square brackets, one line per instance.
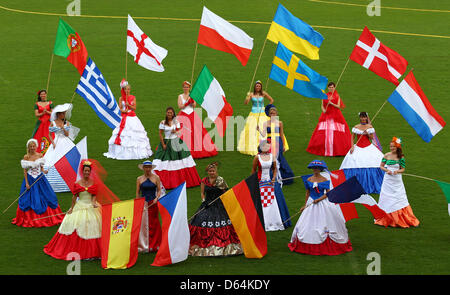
[94, 89]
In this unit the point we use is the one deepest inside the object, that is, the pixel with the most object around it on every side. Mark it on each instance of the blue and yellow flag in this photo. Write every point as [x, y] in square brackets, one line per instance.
[294, 33]
[290, 71]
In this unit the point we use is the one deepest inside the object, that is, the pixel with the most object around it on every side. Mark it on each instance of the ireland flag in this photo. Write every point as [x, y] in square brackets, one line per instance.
[208, 93]
[68, 44]
[446, 189]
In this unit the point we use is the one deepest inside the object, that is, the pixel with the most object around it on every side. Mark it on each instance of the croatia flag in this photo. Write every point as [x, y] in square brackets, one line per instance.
[68, 165]
[175, 241]
[217, 33]
[347, 192]
[409, 99]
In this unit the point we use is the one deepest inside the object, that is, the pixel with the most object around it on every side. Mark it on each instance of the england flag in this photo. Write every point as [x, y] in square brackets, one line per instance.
[94, 89]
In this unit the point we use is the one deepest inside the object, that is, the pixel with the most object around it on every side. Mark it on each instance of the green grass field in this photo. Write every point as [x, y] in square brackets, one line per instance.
[420, 32]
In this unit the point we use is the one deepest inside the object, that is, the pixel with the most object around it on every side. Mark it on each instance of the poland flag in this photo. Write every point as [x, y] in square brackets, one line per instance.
[146, 53]
[217, 33]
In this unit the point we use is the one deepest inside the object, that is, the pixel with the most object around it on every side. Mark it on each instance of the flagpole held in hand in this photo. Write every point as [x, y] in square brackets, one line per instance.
[23, 192]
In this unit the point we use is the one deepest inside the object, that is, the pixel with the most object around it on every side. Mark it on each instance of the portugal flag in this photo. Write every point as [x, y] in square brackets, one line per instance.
[243, 205]
[69, 45]
[121, 224]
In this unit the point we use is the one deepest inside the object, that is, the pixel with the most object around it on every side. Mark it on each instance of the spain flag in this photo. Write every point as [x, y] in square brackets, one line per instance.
[243, 205]
[121, 223]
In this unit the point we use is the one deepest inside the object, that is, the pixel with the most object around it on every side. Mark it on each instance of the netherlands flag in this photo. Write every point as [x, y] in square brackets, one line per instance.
[409, 99]
[68, 165]
[176, 238]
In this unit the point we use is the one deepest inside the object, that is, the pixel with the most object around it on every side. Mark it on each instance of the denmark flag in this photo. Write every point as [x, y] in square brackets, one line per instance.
[380, 59]
[146, 53]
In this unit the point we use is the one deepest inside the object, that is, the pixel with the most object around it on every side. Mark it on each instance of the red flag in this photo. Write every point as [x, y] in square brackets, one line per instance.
[378, 58]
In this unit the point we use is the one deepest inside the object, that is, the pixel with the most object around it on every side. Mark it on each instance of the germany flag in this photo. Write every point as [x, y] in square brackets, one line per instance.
[243, 205]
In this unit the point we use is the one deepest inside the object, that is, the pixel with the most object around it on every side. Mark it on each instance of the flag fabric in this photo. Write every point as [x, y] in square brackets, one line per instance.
[208, 93]
[175, 240]
[94, 89]
[68, 44]
[370, 53]
[146, 53]
[409, 99]
[295, 34]
[218, 34]
[67, 166]
[347, 192]
[290, 71]
[446, 189]
[121, 223]
[243, 205]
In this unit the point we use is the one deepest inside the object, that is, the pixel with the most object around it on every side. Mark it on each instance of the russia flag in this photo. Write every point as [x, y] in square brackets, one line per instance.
[409, 99]
[176, 238]
[68, 165]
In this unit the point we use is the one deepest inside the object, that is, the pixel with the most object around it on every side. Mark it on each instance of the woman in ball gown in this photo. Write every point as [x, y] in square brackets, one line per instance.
[81, 229]
[129, 140]
[331, 137]
[37, 199]
[173, 161]
[249, 138]
[42, 110]
[364, 157]
[149, 186]
[64, 135]
[273, 128]
[321, 229]
[192, 132]
[393, 199]
[275, 211]
[212, 233]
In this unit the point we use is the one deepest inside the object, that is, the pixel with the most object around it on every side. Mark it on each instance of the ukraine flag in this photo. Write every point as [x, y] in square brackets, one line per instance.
[290, 71]
[295, 34]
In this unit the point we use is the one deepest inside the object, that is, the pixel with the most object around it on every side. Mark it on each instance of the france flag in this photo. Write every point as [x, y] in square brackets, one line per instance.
[409, 99]
[175, 230]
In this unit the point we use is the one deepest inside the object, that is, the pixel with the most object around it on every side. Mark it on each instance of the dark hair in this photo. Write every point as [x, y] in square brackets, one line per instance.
[254, 88]
[166, 120]
[39, 94]
[90, 167]
[363, 114]
[331, 84]
[399, 152]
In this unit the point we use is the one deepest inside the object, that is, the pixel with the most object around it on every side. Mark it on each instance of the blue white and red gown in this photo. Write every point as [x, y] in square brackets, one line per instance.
[364, 162]
[274, 206]
[321, 229]
[39, 201]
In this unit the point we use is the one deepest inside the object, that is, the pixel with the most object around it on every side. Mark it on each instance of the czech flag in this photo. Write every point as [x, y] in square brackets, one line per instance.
[409, 99]
[121, 224]
[176, 238]
[68, 165]
[243, 205]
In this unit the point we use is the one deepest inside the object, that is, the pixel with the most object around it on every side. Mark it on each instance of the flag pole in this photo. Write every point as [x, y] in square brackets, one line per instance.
[338, 80]
[193, 63]
[23, 192]
[257, 64]
[126, 64]
[49, 72]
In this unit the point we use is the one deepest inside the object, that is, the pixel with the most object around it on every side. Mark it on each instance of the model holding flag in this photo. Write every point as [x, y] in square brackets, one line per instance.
[37, 198]
[393, 199]
[129, 140]
[64, 134]
[212, 233]
[81, 229]
[173, 161]
[149, 186]
[364, 157]
[192, 132]
[321, 229]
[331, 137]
[272, 199]
[273, 128]
[42, 110]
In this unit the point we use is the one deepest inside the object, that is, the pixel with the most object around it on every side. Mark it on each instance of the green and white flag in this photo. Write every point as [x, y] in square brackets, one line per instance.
[208, 93]
[446, 189]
